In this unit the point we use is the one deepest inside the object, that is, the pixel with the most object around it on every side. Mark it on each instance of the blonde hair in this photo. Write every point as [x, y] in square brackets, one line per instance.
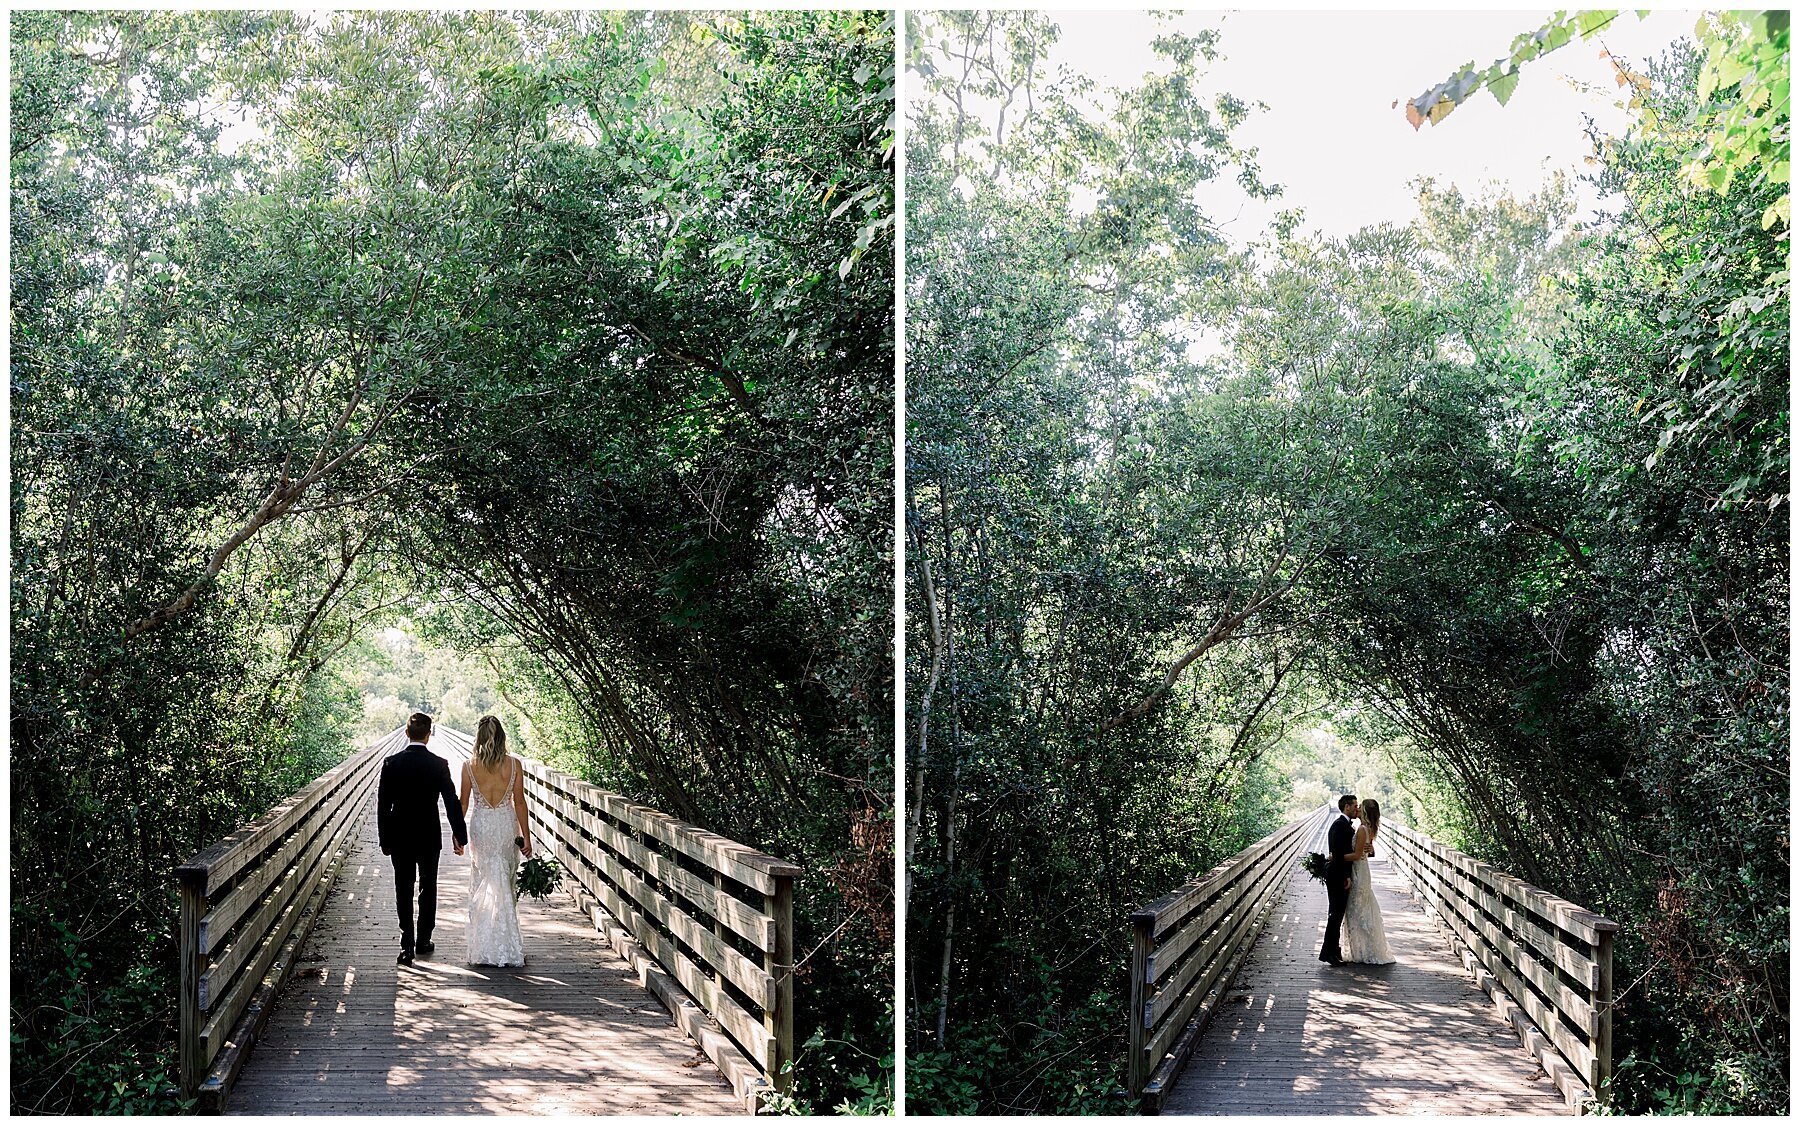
[490, 742]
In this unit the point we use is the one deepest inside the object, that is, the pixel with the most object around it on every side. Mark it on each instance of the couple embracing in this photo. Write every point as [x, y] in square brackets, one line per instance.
[488, 818]
[1353, 930]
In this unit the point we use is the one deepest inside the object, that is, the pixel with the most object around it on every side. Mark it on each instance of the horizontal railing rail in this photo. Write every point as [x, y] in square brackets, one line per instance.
[1187, 947]
[1545, 960]
[707, 922]
[247, 904]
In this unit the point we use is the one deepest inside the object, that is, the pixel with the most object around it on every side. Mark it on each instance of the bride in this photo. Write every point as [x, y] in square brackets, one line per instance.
[1365, 939]
[493, 802]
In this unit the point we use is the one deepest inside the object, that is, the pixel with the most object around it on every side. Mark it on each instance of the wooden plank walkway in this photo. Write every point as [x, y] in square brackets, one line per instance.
[571, 1032]
[1297, 1036]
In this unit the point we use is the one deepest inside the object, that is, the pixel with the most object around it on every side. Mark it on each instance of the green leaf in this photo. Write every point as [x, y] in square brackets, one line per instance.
[1731, 71]
[1502, 88]
[1590, 22]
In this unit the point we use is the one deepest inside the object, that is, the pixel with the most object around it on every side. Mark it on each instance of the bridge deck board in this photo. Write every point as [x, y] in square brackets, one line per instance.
[1296, 1036]
[571, 1032]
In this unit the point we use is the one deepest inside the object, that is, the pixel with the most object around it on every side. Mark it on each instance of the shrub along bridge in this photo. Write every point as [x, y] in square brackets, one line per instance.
[658, 980]
[1499, 1002]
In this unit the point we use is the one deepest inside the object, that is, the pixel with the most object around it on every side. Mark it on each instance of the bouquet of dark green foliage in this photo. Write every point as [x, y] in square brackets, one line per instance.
[1314, 863]
[538, 877]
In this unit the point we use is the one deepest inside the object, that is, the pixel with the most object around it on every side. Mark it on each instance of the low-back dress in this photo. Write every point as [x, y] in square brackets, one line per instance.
[493, 930]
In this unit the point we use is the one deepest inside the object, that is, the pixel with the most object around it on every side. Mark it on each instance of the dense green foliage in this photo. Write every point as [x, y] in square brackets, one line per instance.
[571, 332]
[1506, 499]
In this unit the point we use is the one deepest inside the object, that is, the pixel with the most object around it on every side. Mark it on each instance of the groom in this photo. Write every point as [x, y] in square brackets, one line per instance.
[412, 781]
[1342, 842]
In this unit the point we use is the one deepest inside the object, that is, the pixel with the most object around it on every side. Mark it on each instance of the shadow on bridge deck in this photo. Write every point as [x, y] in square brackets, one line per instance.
[571, 1032]
[1296, 1036]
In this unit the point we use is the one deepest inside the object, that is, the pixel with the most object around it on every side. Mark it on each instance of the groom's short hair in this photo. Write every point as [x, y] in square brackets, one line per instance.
[418, 725]
[1347, 799]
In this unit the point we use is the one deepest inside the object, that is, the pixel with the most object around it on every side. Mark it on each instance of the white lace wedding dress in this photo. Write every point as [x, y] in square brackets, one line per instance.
[1364, 938]
[493, 929]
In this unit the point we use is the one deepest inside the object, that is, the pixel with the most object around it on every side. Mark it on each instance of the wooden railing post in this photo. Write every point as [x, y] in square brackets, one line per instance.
[193, 907]
[718, 927]
[779, 964]
[1603, 1000]
[1137, 1068]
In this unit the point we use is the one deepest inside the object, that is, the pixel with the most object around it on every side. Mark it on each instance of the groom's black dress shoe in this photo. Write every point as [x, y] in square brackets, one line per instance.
[427, 947]
[405, 958]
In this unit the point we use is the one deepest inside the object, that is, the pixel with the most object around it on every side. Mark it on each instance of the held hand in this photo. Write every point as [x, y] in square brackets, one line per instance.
[458, 846]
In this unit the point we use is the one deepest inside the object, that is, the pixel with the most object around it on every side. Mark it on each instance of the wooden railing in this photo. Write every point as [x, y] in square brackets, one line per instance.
[706, 922]
[247, 904]
[1187, 946]
[1545, 961]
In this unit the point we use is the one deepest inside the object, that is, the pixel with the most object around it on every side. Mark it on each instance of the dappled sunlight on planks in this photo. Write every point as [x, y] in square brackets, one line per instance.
[571, 1032]
[1296, 1036]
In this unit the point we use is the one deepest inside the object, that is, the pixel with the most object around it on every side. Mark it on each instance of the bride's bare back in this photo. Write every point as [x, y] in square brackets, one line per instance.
[492, 782]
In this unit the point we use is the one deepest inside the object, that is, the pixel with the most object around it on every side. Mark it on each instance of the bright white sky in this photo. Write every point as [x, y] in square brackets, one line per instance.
[1331, 136]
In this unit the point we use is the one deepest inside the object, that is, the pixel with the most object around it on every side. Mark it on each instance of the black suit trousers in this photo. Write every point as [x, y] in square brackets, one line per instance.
[423, 866]
[1337, 900]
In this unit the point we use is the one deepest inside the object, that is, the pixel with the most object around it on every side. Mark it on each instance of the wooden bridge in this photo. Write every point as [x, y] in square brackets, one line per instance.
[658, 981]
[1499, 1001]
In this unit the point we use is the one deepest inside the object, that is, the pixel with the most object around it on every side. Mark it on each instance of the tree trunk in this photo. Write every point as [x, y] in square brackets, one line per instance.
[915, 814]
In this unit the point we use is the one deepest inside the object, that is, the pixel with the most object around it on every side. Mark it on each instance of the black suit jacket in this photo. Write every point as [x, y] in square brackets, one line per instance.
[412, 781]
[1343, 842]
